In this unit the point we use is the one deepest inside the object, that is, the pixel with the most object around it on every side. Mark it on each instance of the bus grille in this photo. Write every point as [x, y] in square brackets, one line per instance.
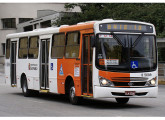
[129, 82]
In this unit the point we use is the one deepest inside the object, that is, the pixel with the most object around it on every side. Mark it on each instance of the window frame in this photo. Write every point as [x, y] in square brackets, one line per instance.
[58, 45]
[6, 21]
[72, 45]
[23, 48]
[29, 46]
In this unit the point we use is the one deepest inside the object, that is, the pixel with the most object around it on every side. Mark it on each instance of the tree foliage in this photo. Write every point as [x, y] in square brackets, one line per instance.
[147, 12]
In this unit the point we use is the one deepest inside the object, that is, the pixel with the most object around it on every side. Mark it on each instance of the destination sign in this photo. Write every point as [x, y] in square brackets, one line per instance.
[125, 27]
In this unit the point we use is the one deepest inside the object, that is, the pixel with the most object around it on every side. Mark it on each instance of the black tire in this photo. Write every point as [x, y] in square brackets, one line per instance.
[73, 99]
[26, 92]
[122, 100]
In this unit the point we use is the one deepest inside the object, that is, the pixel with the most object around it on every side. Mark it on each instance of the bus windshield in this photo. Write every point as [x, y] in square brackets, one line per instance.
[125, 52]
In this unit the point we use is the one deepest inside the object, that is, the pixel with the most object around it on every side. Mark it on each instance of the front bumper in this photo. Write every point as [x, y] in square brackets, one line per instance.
[112, 92]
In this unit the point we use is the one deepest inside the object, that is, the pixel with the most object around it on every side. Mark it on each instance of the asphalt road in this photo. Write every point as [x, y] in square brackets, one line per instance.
[13, 103]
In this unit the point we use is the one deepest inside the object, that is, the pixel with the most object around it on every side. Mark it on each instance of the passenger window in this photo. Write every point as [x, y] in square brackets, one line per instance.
[33, 47]
[72, 47]
[58, 44]
[23, 47]
[7, 48]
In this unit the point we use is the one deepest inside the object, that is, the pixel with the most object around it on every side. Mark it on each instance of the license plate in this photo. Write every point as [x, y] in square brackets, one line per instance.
[130, 93]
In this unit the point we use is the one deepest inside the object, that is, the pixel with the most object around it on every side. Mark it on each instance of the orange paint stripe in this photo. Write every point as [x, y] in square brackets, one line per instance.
[76, 27]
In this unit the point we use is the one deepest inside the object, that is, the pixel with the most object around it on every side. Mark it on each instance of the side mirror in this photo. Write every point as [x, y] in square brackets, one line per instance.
[92, 41]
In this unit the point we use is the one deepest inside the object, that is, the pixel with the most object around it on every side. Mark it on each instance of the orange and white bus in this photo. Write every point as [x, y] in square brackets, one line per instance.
[97, 59]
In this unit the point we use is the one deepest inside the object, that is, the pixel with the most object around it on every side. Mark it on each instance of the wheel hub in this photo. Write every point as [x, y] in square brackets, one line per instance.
[72, 92]
[24, 87]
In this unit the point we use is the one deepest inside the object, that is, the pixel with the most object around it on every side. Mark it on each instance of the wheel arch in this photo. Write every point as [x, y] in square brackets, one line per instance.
[68, 81]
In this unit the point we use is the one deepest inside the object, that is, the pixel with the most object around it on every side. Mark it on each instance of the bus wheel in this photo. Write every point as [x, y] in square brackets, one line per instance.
[122, 100]
[73, 99]
[25, 90]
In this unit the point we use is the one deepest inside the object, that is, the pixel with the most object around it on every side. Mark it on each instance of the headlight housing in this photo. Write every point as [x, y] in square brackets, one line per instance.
[152, 82]
[105, 82]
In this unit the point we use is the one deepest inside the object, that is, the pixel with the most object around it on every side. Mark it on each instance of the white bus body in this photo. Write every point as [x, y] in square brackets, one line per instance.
[56, 71]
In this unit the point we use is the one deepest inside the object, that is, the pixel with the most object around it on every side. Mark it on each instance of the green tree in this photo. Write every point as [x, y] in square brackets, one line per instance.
[147, 12]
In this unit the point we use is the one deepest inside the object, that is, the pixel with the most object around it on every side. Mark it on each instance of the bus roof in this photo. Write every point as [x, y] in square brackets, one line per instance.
[43, 31]
[52, 30]
[67, 28]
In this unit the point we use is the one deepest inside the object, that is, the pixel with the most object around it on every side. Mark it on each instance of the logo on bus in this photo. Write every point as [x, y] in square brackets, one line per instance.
[134, 64]
[130, 84]
[61, 71]
[33, 66]
[51, 66]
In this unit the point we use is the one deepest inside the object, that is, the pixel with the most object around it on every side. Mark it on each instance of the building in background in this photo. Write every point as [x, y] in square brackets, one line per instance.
[14, 15]
[45, 18]
[161, 58]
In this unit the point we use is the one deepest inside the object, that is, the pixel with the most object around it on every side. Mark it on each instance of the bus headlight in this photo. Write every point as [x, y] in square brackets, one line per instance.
[151, 82]
[105, 83]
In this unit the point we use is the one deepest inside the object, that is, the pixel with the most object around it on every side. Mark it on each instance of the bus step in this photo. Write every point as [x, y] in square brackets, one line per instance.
[13, 85]
[86, 96]
[44, 91]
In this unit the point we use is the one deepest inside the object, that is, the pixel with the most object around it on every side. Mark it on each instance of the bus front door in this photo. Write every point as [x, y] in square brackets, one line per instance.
[86, 77]
[13, 63]
[44, 68]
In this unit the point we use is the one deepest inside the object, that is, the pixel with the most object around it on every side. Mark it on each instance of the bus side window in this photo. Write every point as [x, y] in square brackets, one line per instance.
[72, 47]
[58, 45]
[7, 48]
[23, 47]
[33, 47]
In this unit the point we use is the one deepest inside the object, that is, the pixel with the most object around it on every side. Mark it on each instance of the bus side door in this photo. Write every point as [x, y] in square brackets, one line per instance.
[87, 53]
[13, 63]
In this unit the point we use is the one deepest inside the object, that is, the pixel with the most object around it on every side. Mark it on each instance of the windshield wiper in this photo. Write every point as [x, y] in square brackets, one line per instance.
[118, 40]
[137, 41]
